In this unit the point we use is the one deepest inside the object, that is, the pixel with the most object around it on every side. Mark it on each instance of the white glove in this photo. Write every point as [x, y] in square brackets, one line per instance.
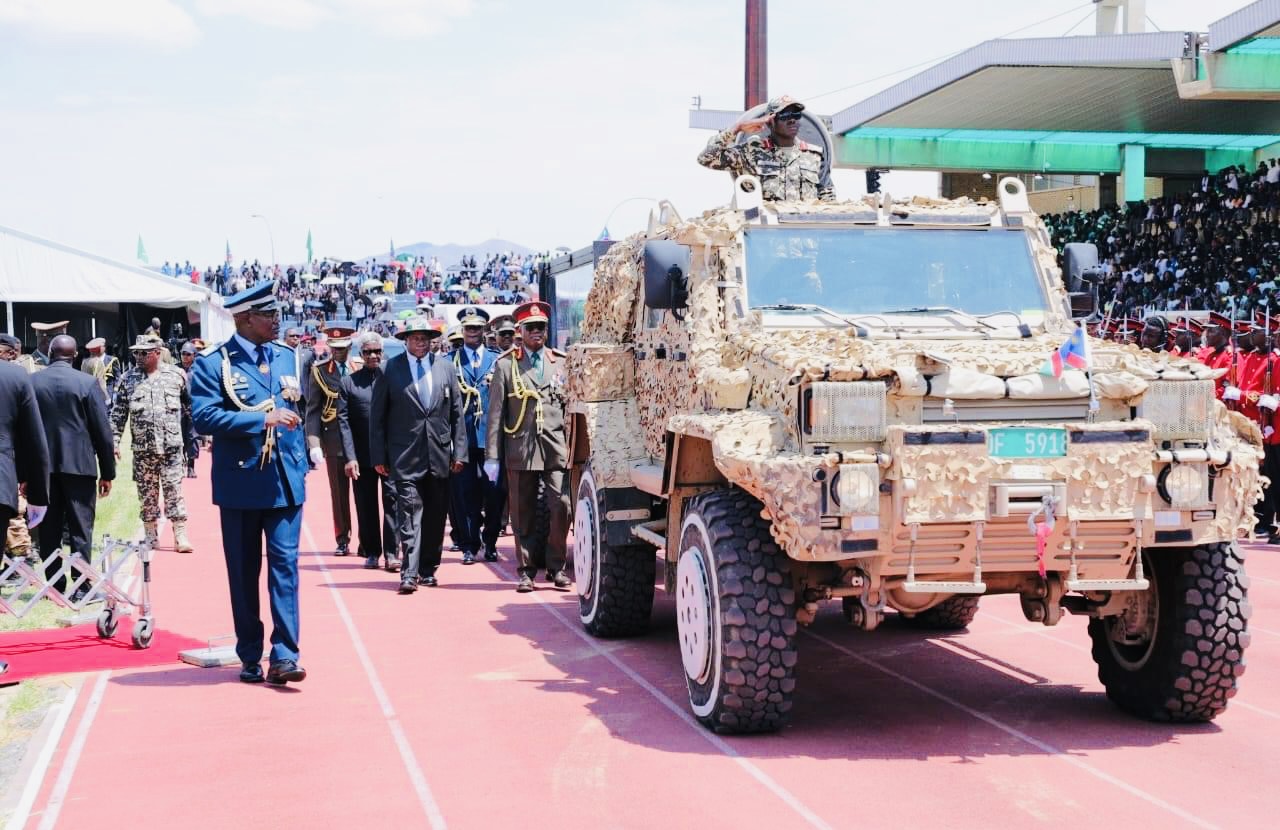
[1269, 402]
[1231, 393]
[317, 456]
[35, 514]
[1268, 431]
[491, 470]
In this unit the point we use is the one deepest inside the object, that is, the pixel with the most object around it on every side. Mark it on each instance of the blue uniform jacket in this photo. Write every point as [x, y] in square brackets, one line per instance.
[477, 422]
[240, 481]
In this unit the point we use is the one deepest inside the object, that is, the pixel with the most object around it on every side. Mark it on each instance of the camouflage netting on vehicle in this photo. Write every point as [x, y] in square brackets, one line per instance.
[1239, 486]
[612, 301]
[600, 372]
[614, 441]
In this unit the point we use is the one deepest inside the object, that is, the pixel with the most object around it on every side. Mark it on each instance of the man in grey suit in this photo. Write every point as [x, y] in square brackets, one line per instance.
[417, 438]
[81, 454]
[355, 405]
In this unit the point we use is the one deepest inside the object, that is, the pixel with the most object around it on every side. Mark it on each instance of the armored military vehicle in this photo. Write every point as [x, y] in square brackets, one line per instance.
[800, 403]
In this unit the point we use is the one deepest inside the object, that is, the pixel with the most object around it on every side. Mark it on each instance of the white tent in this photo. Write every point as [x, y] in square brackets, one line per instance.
[35, 270]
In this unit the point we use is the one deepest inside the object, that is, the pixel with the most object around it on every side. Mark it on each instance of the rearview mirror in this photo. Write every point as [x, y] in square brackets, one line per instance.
[666, 266]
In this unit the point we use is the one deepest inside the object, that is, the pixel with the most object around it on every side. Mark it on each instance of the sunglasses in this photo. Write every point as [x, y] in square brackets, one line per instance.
[790, 116]
[371, 351]
[536, 326]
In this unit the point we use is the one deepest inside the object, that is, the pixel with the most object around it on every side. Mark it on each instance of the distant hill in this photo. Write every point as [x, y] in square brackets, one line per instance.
[451, 253]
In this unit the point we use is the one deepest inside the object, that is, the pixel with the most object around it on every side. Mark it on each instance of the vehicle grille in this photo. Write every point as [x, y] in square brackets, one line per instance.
[1008, 410]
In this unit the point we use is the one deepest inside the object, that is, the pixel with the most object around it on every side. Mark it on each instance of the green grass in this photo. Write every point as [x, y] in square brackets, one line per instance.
[117, 516]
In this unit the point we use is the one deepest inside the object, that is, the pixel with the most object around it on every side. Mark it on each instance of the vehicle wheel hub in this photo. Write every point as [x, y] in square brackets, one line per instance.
[693, 614]
[585, 546]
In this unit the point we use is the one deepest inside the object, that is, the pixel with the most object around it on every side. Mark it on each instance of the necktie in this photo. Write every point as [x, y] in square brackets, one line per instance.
[264, 360]
[424, 381]
[535, 359]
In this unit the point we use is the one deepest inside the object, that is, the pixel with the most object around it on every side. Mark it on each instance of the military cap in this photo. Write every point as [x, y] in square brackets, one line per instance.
[419, 324]
[473, 316]
[96, 343]
[785, 102]
[338, 335]
[10, 341]
[197, 342]
[189, 348]
[534, 311]
[504, 324]
[146, 342]
[50, 327]
[1217, 320]
[258, 297]
[454, 333]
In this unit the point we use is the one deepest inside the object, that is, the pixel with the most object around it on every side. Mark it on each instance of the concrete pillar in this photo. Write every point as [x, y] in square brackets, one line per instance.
[1135, 172]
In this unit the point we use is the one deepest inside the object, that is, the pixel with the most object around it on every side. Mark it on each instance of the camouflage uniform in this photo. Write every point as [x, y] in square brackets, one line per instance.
[786, 173]
[157, 407]
[17, 538]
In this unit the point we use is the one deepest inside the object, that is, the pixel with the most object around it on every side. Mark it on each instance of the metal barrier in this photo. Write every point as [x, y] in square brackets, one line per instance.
[107, 581]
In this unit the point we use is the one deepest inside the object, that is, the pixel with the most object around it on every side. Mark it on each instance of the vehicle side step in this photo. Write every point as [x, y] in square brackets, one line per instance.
[652, 532]
[1073, 582]
[914, 587]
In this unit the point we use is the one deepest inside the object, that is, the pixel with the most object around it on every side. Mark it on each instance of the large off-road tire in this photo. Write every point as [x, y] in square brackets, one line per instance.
[735, 612]
[614, 582]
[952, 614]
[1178, 652]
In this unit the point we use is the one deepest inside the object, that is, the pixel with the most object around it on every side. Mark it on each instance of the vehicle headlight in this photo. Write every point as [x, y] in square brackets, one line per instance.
[1180, 409]
[853, 411]
[857, 489]
[1182, 485]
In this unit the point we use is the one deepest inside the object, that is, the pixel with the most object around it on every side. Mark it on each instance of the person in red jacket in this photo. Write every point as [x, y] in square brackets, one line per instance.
[1268, 406]
[1216, 353]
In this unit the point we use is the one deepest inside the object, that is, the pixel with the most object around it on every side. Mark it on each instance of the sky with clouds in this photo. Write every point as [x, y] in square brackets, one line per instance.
[366, 121]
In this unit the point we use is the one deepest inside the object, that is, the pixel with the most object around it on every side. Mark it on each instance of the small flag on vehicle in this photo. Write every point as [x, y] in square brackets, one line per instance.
[1073, 353]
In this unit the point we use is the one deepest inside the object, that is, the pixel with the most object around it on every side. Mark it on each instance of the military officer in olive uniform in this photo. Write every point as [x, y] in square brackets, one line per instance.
[154, 401]
[324, 437]
[104, 367]
[526, 434]
[789, 169]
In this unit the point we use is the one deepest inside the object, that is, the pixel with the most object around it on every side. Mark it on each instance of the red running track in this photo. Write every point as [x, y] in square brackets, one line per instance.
[473, 706]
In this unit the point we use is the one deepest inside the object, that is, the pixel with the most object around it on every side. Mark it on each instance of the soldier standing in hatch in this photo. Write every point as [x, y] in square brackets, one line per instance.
[153, 399]
[324, 436]
[789, 169]
[526, 433]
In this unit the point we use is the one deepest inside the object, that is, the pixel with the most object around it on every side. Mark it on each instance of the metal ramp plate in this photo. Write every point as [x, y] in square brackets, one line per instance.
[1107, 584]
[914, 587]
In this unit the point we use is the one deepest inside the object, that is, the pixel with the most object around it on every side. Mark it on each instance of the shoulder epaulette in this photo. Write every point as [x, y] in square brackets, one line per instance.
[208, 350]
[514, 351]
[812, 148]
[559, 353]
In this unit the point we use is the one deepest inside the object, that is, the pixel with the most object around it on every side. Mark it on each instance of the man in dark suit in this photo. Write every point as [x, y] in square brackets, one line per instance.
[377, 536]
[76, 430]
[418, 439]
[24, 455]
[245, 394]
[324, 439]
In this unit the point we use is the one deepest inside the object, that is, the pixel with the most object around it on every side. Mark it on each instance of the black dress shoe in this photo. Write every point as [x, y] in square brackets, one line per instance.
[525, 585]
[429, 581]
[1273, 539]
[408, 585]
[454, 548]
[491, 554]
[250, 673]
[393, 564]
[561, 580]
[285, 671]
[468, 558]
[343, 550]
[371, 563]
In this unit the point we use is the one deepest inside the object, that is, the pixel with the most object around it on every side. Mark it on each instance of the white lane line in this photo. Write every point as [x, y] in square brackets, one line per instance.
[1253, 708]
[1014, 732]
[68, 771]
[1266, 631]
[407, 757]
[36, 780]
[1253, 578]
[813, 819]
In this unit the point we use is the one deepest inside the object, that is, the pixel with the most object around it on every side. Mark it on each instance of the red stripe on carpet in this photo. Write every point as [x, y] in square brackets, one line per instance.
[79, 649]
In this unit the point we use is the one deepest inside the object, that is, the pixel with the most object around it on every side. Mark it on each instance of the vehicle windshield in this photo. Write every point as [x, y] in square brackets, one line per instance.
[881, 270]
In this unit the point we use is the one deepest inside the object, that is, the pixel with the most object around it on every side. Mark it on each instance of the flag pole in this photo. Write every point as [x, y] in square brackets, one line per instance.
[1088, 371]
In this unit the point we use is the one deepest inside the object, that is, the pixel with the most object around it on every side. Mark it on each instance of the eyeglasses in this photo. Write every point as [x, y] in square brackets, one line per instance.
[270, 315]
[371, 351]
[789, 116]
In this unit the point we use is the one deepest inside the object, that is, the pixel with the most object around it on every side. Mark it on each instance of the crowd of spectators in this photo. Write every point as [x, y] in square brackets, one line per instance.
[327, 289]
[1203, 249]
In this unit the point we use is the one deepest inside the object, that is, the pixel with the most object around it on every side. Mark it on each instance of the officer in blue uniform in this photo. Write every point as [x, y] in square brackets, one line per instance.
[246, 394]
[479, 500]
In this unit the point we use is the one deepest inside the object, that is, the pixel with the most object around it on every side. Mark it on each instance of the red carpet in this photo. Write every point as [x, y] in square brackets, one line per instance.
[65, 650]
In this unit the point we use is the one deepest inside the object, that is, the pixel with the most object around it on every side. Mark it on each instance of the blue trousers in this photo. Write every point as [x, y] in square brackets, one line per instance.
[478, 505]
[242, 535]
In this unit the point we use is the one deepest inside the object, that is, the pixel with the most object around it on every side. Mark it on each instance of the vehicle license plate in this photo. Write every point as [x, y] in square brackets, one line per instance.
[1026, 442]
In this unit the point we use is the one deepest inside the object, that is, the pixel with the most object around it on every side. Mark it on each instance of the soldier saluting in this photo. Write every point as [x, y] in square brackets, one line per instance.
[789, 169]
[526, 434]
